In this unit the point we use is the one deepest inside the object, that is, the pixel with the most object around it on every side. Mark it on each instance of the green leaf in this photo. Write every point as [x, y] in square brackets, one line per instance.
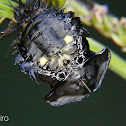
[56, 3]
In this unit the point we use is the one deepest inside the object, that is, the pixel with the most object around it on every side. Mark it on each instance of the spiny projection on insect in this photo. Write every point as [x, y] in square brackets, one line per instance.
[52, 46]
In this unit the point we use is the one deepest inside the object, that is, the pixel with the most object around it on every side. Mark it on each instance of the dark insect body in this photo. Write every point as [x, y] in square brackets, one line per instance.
[52, 46]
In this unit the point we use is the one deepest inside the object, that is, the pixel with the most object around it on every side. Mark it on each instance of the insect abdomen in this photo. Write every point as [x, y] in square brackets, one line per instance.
[47, 35]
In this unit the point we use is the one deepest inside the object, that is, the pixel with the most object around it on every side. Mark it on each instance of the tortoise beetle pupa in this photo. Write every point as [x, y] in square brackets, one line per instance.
[52, 46]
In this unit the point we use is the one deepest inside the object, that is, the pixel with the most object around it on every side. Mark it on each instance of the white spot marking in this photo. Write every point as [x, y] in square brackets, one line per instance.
[42, 61]
[68, 39]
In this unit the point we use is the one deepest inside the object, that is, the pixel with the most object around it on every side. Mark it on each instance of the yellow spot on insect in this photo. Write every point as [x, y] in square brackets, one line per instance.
[64, 50]
[67, 57]
[42, 61]
[68, 39]
[60, 61]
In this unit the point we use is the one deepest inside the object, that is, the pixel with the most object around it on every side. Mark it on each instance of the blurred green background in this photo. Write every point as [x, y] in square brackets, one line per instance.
[22, 100]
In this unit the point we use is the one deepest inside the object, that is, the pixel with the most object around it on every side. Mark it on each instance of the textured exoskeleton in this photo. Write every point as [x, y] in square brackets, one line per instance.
[52, 46]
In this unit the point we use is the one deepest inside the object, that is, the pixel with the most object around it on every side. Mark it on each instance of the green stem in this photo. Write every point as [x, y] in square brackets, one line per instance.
[117, 64]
